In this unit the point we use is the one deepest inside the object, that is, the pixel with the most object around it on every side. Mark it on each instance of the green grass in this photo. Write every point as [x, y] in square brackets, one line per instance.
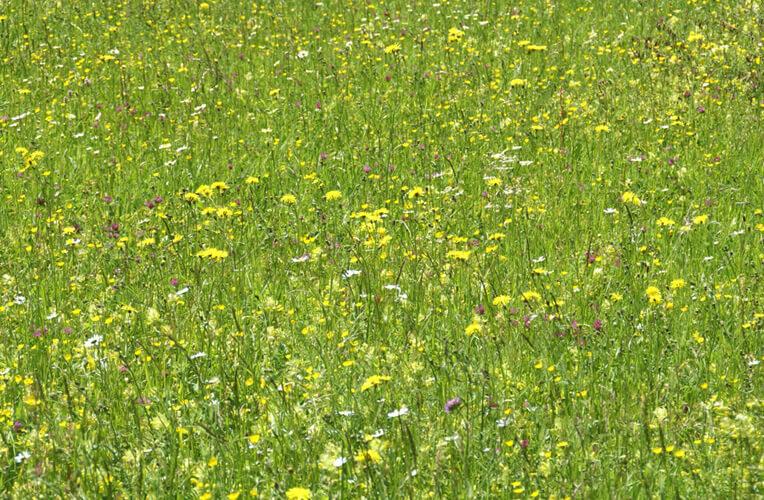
[253, 248]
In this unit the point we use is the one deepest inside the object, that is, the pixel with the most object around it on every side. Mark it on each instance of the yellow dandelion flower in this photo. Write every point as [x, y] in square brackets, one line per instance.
[298, 493]
[368, 457]
[212, 253]
[665, 221]
[700, 219]
[288, 198]
[333, 195]
[455, 35]
[501, 300]
[417, 191]
[204, 190]
[395, 47]
[653, 295]
[374, 381]
[472, 328]
[458, 254]
[677, 283]
[629, 197]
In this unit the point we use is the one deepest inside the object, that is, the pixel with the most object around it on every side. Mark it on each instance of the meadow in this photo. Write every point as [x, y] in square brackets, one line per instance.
[381, 249]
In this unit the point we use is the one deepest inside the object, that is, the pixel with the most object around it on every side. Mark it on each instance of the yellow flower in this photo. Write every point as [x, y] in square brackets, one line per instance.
[417, 191]
[204, 190]
[653, 295]
[252, 180]
[677, 283]
[233, 496]
[32, 158]
[501, 300]
[219, 185]
[212, 253]
[665, 221]
[459, 254]
[298, 493]
[517, 82]
[602, 128]
[288, 198]
[700, 219]
[368, 457]
[374, 381]
[190, 196]
[395, 47]
[455, 35]
[474, 327]
[333, 195]
[527, 296]
[629, 197]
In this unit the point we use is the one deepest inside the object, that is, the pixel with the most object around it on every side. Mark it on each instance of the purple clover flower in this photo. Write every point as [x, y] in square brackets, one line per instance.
[451, 404]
